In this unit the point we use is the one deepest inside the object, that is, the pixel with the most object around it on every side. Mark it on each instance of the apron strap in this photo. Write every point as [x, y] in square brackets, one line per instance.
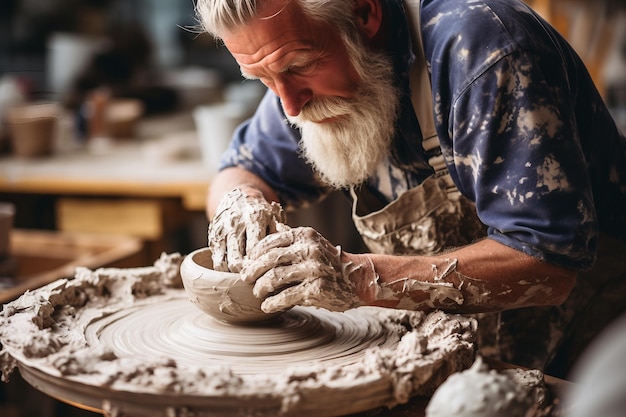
[421, 89]
[421, 98]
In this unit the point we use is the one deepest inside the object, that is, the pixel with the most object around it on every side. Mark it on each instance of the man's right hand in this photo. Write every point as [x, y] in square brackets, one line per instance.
[241, 220]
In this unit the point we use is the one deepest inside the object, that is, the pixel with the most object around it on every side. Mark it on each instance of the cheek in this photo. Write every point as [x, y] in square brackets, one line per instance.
[335, 81]
[341, 72]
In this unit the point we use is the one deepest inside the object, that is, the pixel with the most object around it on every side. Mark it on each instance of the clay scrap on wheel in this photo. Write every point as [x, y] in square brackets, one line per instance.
[129, 342]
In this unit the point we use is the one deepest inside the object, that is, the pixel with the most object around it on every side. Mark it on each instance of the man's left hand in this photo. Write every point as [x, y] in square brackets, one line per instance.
[300, 267]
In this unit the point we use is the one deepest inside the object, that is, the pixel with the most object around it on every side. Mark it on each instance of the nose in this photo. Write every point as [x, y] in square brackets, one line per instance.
[293, 95]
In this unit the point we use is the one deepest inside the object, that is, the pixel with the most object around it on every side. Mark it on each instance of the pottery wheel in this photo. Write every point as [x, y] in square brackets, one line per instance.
[130, 343]
[176, 329]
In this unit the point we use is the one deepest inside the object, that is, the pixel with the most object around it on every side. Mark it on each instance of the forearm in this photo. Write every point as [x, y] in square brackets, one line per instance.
[233, 177]
[485, 276]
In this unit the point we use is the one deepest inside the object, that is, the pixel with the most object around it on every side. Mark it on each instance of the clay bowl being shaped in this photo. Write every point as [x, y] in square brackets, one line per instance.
[222, 295]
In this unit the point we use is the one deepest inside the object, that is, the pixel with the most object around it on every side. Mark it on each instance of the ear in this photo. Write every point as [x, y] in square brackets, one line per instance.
[369, 16]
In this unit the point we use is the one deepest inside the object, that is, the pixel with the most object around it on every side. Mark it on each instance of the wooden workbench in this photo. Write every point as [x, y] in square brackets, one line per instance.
[162, 161]
[146, 187]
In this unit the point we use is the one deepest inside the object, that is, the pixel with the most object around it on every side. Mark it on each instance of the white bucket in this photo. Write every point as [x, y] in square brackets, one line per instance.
[215, 124]
[68, 56]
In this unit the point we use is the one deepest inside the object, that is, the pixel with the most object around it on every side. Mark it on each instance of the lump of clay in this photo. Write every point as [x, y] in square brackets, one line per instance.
[532, 380]
[479, 392]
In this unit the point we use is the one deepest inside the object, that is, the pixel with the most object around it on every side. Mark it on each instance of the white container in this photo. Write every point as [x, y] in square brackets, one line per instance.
[33, 129]
[68, 55]
[215, 124]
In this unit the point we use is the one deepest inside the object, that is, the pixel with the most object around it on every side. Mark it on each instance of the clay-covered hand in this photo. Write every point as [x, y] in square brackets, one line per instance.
[300, 267]
[241, 220]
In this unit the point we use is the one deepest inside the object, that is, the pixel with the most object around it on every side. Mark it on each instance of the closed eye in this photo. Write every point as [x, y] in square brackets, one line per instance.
[301, 69]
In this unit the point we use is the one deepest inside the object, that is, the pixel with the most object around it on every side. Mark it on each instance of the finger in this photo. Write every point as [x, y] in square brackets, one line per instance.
[282, 277]
[283, 301]
[307, 293]
[217, 244]
[257, 228]
[235, 244]
[299, 252]
[306, 239]
[279, 278]
[262, 222]
[254, 268]
[278, 212]
[273, 241]
[218, 256]
[311, 292]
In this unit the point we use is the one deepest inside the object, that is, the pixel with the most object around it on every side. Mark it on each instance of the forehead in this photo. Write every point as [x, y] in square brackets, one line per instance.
[281, 28]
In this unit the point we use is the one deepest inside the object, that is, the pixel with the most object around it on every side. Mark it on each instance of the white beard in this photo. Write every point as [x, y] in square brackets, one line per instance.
[349, 149]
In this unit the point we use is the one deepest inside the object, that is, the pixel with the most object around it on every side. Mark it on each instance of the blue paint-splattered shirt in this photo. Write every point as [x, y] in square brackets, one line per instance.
[524, 132]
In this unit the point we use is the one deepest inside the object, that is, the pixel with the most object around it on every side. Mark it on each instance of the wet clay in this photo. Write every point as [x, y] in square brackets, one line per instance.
[129, 342]
[479, 392]
[240, 222]
[483, 392]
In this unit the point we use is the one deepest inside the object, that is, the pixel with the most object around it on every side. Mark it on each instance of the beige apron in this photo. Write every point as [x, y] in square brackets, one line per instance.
[434, 217]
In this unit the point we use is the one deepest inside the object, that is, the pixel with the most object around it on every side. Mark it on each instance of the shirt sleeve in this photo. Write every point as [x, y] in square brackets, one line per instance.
[268, 146]
[505, 93]
[515, 151]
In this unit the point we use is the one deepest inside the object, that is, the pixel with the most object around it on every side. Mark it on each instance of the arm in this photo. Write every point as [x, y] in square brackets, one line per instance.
[299, 267]
[264, 154]
[487, 276]
[235, 177]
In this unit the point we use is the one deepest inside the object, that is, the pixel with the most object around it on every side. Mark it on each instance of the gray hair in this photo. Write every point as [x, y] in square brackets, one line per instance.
[218, 16]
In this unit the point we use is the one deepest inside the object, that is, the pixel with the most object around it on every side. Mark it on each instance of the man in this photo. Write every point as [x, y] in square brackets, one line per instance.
[527, 155]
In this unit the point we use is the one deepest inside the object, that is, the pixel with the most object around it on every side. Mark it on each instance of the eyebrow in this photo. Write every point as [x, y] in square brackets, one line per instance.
[302, 59]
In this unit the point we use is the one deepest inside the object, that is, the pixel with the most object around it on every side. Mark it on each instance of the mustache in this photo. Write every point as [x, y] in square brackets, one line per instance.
[323, 108]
